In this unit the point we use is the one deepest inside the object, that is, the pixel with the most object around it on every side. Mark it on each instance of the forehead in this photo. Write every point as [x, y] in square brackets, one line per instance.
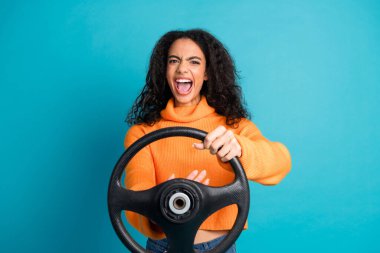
[185, 47]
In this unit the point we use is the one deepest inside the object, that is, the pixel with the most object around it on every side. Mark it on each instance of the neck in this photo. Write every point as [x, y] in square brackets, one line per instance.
[193, 102]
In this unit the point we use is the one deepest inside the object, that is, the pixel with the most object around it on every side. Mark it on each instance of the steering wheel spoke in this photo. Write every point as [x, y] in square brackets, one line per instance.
[136, 201]
[181, 237]
[218, 197]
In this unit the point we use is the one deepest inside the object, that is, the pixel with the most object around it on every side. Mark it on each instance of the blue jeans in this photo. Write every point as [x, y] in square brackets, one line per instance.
[161, 246]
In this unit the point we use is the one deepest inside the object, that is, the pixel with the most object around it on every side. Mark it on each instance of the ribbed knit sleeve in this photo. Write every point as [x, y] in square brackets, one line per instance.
[140, 175]
[265, 162]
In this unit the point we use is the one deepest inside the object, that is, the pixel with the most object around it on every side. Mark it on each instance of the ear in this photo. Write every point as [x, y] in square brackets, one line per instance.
[205, 78]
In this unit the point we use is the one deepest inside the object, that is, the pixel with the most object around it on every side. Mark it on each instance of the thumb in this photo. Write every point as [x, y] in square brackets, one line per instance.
[199, 145]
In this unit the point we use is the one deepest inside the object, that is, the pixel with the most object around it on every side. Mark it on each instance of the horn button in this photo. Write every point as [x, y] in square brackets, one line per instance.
[179, 203]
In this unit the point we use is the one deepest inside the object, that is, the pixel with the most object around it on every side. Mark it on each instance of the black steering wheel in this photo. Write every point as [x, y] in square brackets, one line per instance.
[178, 206]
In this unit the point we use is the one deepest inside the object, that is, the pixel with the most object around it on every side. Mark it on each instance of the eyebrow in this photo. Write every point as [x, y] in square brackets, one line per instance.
[189, 58]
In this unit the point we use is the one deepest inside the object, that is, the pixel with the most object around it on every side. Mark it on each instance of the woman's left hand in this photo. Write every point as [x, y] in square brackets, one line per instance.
[221, 142]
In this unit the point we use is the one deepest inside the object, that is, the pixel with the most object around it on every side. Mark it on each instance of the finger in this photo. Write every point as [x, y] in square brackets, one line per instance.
[210, 137]
[236, 147]
[228, 157]
[201, 176]
[235, 151]
[215, 146]
[207, 181]
[221, 141]
[192, 175]
[224, 150]
[198, 145]
[171, 177]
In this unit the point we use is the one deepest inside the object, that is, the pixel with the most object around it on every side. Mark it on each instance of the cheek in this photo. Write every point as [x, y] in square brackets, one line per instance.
[200, 75]
[168, 74]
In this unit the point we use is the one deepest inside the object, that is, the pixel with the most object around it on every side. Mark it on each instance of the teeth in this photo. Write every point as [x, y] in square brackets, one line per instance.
[183, 80]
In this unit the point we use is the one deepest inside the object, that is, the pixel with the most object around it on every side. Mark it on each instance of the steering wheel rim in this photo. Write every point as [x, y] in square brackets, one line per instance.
[207, 198]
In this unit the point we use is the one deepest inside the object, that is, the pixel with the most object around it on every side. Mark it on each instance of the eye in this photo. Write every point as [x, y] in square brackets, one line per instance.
[195, 62]
[173, 60]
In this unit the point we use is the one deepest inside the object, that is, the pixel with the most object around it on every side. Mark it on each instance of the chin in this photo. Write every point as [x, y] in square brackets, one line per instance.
[186, 101]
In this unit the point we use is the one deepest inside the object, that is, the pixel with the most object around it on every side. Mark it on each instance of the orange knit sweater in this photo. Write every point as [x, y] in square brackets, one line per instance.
[264, 161]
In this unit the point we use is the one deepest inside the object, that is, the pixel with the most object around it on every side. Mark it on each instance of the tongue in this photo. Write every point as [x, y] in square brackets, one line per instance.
[183, 88]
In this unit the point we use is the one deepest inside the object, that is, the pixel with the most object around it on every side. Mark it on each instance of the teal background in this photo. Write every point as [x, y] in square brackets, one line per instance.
[70, 70]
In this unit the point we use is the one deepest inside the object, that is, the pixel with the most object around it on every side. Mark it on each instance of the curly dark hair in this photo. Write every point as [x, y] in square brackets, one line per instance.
[221, 89]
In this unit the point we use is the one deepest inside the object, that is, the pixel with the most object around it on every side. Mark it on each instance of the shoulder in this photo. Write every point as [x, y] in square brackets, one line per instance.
[245, 123]
[135, 132]
[247, 127]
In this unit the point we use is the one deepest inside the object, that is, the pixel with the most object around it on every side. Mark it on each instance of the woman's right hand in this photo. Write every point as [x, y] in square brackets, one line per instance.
[197, 176]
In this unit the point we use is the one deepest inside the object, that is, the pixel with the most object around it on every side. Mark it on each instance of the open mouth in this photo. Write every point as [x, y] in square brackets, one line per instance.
[183, 86]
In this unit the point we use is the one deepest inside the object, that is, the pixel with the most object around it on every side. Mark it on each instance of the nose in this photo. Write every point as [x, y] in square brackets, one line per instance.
[182, 67]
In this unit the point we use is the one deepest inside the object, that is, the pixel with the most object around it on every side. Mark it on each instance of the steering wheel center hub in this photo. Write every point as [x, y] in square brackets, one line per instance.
[179, 202]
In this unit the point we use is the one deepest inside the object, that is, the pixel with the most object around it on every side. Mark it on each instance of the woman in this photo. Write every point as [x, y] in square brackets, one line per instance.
[191, 82]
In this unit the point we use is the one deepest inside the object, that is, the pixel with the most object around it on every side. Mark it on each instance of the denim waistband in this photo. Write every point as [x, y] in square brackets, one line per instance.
[163, 243]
